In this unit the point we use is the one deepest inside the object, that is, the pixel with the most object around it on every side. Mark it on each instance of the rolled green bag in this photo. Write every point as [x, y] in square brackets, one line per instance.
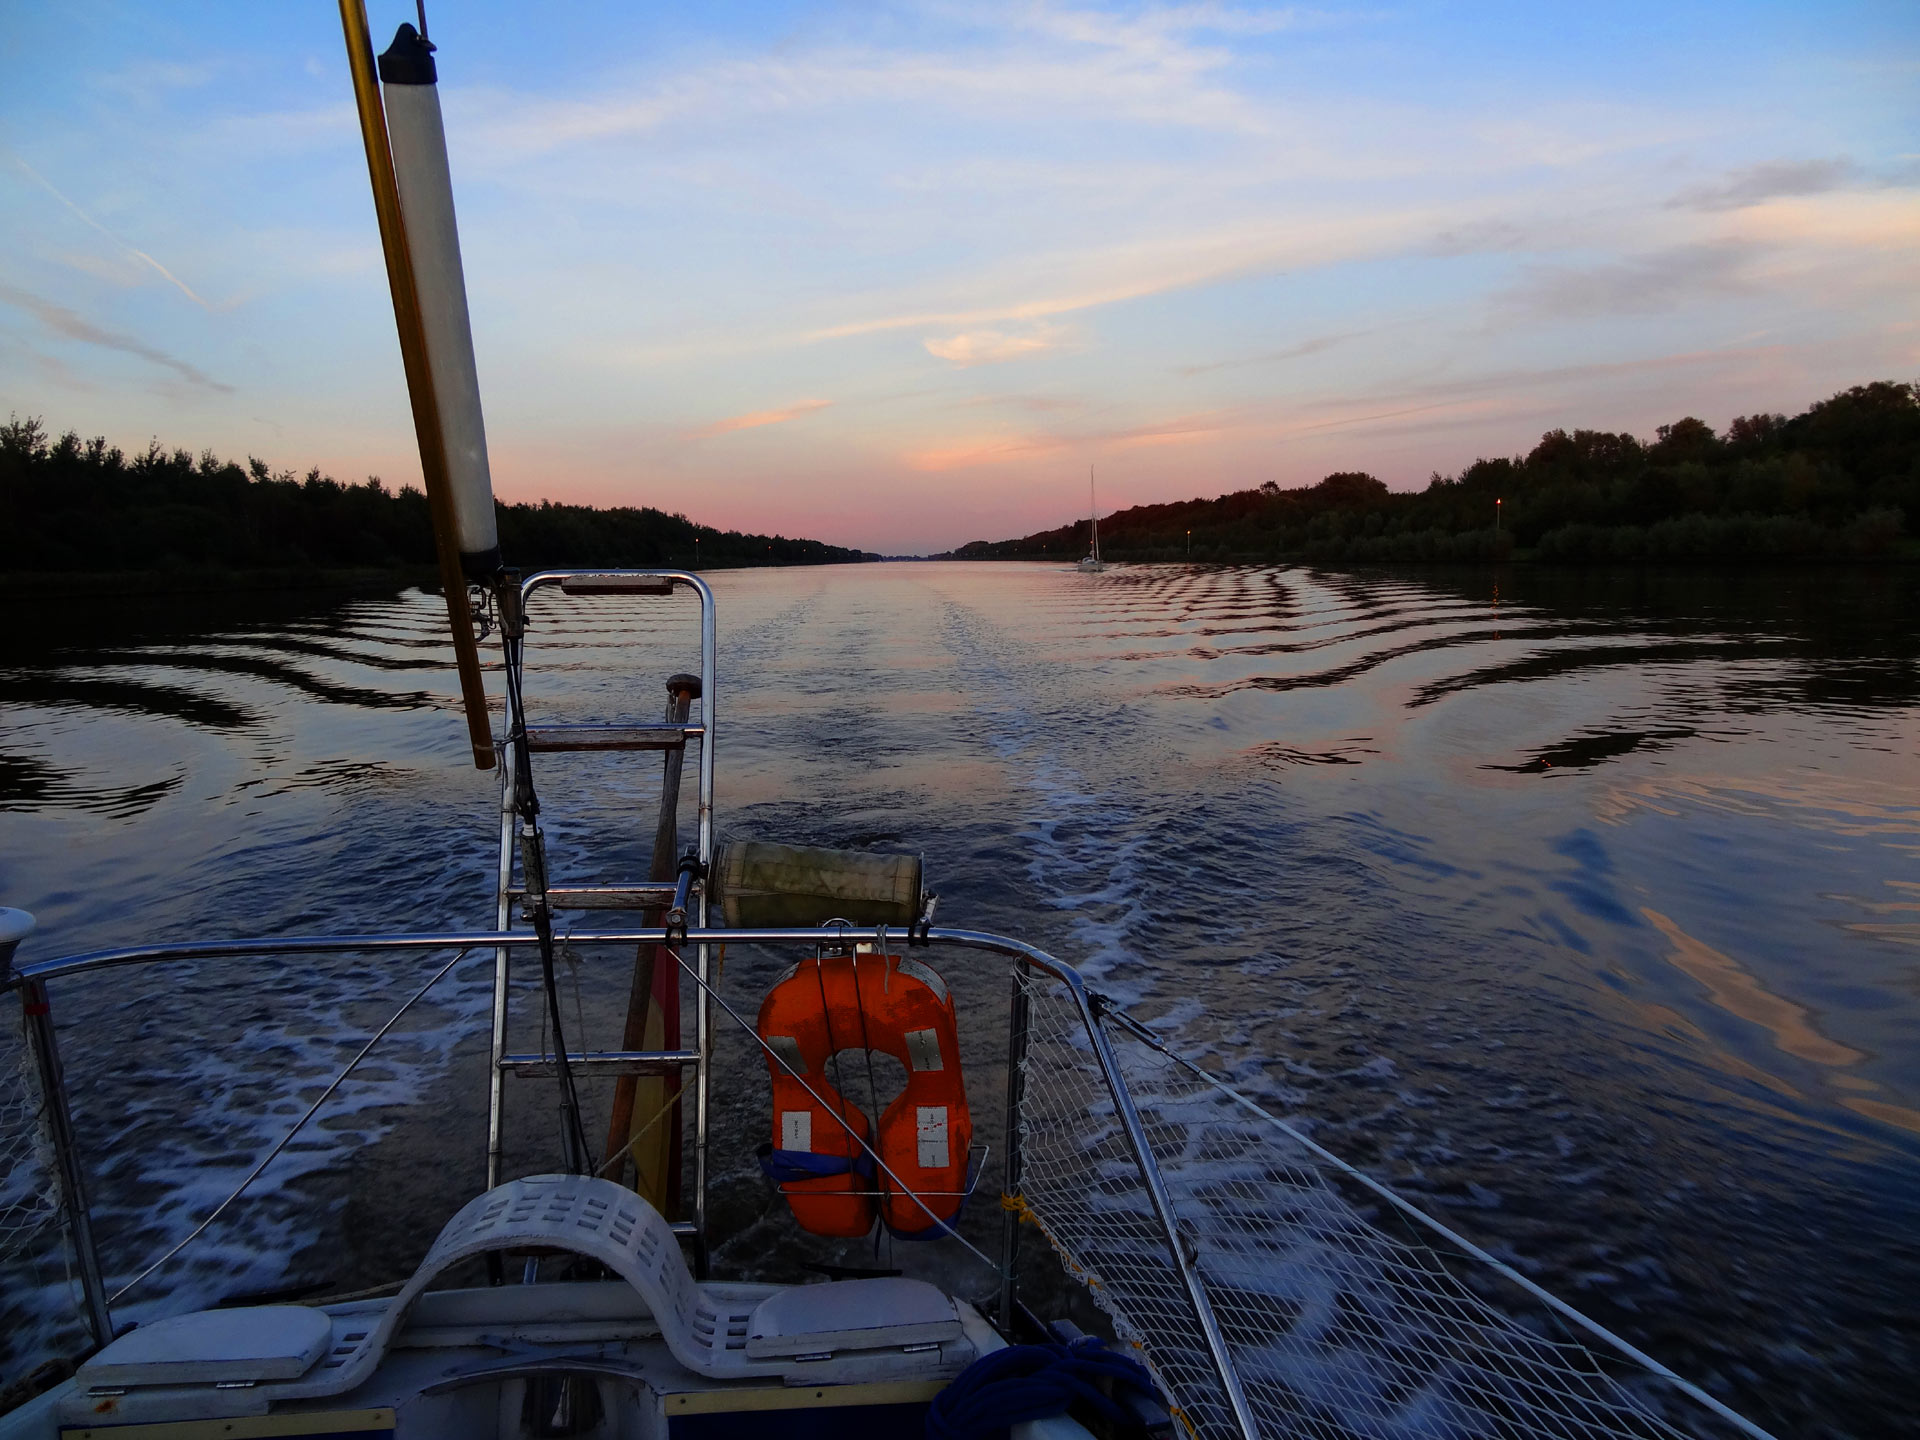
[762, 886]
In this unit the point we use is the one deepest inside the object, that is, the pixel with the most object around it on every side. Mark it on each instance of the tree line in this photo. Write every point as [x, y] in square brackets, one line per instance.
[76, 505]
[1841, 480]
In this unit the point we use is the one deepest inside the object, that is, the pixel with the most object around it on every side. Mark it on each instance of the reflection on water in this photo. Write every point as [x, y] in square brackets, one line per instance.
[1585, 750]
[1581, 905]
[1738, 993]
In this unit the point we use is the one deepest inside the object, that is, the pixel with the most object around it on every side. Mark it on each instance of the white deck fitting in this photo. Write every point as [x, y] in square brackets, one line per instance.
[839, 1333]
[851, 1315]
[215, 1347]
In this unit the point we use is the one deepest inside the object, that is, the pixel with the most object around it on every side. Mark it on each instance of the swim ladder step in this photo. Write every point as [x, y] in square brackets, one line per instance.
[661, 735]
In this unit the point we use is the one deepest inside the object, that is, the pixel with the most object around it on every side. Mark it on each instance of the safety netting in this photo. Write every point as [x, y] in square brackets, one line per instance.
[1334, 1327]
[38, 1314]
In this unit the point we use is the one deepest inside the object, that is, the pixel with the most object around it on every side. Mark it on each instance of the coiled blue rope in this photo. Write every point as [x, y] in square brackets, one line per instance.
[1030, 1382]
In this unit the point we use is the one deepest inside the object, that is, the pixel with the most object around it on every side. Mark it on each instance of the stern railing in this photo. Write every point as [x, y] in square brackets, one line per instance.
[1210, 1231]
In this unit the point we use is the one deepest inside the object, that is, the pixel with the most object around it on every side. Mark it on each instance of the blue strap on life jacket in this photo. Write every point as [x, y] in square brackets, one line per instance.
[783, 1166]
[1031, 1382]
[940, 1229]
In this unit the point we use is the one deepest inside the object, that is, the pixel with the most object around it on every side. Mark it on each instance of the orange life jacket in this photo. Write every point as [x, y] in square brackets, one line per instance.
[898, 1007]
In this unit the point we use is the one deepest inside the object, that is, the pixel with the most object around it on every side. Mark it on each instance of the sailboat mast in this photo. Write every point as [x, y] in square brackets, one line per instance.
[428, 412]
[1093, 505]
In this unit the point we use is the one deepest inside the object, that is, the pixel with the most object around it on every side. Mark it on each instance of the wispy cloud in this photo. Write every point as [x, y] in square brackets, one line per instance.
[133, 251]
[757, 418]
[1210, 242]
[1847, 223]
[62, 321]
[1639, 284]
[1153, 66]
[973, 451]
[147, 79]
[992, 347]
[1034, 287]
[1300, 351]
[1184, 430]
[1165, 104]
[1766, 182]
[1512, 394]
[976, 451]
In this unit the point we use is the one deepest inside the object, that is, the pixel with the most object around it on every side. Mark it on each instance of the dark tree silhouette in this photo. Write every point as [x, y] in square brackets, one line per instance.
[1840, 481]
[74, 505]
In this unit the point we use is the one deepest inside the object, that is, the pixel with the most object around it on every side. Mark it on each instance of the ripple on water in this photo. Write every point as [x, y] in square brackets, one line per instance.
[1581, 906]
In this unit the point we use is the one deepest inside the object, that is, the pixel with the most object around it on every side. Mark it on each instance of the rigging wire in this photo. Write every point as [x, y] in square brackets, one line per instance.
[951, 1227]
[574, 967]
[1146, 1036]
[826, 1015]
[866, 1050]
[533, 864]
[287, 1139]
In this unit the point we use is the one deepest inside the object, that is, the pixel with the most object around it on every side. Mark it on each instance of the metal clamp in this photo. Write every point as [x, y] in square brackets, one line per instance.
[512, 604]
[480, 606]
[918, 931]
[691, 870]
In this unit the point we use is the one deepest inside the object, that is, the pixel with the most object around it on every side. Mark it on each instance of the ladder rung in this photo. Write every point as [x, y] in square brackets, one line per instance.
[617, 585]
[604, 1062]
[658, 736]
[606, 897]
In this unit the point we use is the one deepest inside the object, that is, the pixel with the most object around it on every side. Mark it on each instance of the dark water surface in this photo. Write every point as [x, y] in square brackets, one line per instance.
[1582, 907]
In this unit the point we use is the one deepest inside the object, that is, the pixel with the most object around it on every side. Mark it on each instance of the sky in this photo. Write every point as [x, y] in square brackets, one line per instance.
[897, 276]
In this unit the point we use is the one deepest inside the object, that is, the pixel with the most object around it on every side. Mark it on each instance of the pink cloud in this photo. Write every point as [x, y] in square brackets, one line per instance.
[991, 347]
[757, 418]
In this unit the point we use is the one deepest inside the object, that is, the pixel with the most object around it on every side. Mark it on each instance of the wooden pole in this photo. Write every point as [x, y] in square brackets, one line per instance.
[653, 1014]
[413, 355]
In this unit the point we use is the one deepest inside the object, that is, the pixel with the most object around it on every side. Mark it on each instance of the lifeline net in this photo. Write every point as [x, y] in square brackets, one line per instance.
[1336, 1328]
[29, 1201]
[33, 1256]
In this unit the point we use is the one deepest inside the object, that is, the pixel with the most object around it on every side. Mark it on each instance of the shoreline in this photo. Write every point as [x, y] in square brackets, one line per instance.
[216, 580]
[71, 583]
[1903, 558]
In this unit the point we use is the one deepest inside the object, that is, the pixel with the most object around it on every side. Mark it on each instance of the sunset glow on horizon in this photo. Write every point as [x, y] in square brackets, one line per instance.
[895, 276]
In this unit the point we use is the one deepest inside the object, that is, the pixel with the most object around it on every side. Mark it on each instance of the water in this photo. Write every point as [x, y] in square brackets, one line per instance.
[1581, 907]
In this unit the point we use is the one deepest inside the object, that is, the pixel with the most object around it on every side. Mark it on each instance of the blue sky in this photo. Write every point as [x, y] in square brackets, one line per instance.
[896, 275]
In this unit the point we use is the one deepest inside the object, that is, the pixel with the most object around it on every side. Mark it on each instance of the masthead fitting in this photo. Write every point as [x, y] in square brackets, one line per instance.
[409, 60]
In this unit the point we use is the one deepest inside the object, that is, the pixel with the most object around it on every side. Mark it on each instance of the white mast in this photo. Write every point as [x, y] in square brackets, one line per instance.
[1092, 564]
[1094, 514]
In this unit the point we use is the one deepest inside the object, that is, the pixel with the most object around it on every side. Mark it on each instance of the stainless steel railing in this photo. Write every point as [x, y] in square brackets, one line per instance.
[1151, 1237]
[31, 980]
[612, 739]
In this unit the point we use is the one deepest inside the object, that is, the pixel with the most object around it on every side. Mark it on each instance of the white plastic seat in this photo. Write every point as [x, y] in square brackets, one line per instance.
[844, 1332]
[706, 1327]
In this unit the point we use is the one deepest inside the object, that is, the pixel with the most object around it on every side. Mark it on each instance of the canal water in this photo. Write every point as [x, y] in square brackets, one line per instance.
[1582, 907]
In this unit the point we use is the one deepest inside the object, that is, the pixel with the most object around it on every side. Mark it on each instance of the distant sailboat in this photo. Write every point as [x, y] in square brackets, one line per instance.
[1093, 564]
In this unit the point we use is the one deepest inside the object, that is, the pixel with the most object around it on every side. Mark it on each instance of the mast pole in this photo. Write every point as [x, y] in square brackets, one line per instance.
[413, 355]
[1093, 514]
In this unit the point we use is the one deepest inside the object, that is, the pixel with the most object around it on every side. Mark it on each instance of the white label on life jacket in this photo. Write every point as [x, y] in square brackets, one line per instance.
[788, 1049]
[796, 1130]
[932, 1134]
[923, 1050]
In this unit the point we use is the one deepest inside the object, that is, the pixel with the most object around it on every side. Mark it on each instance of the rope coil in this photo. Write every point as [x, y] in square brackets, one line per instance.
[1033, 1382]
